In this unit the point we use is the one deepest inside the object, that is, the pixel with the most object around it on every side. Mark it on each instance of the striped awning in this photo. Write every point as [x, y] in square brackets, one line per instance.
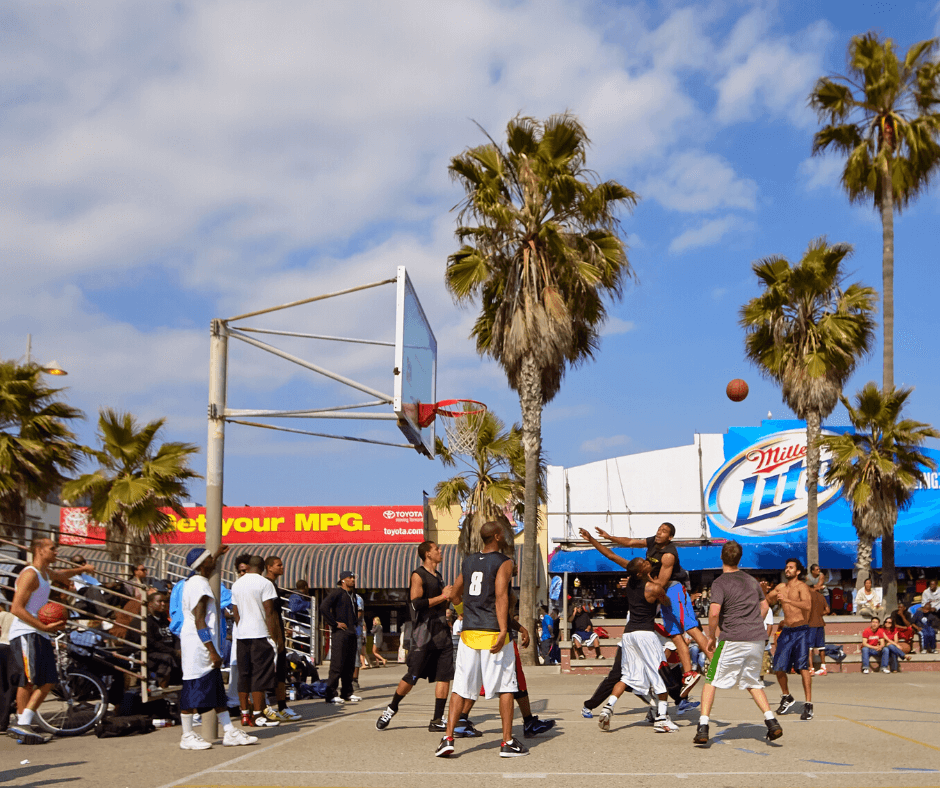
[385, 566]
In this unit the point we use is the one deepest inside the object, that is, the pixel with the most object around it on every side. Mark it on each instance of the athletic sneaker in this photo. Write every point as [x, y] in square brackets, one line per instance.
[807, 711]
[687, 705]
[437, 726]
[272, 714]
[701, 734]
[587, 713]
[197, 719]
[650, 716]
[786, 703]
[689, 680]
[445, 748]
[885, 670]
[865, 670]
[336, 700]
[27, 734]
[512, 749]
[535, 726]
[247, 721]
[382, 722]
[264, 722]
[193, 741]
[604, 722]
[356, 687]
[821, 672]
[237, 738]
[290, 715]
[664, 725]
[774, 731]
[353, 699]
[465, 730]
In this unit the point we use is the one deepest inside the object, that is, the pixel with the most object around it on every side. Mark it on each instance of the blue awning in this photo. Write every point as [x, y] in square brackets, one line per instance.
[763, 556]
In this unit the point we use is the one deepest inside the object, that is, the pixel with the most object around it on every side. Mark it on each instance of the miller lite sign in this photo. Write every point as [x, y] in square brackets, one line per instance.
[761, 489]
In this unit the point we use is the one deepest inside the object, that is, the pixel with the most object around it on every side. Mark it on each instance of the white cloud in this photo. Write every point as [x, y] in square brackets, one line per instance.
[603, 444]
[822, 172]
[615, 325]
[706, 234]
[694, 181]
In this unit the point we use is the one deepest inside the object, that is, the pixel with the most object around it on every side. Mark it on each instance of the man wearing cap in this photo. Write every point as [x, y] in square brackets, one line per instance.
[339, 611]
[203, 687]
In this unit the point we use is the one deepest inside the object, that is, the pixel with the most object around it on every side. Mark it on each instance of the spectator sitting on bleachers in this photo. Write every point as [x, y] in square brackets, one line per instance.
[892, 645]
[873, 645]
[868, 601]
[163, 651]
[907, 629]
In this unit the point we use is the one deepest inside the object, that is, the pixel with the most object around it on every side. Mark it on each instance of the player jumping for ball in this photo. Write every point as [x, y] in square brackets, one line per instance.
[679, 617]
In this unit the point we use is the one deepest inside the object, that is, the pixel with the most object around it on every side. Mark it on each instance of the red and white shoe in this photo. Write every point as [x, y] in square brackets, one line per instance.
[821, 672]
[689, 680]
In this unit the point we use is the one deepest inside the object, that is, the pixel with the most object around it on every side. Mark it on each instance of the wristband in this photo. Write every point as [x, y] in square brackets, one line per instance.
[204, 635]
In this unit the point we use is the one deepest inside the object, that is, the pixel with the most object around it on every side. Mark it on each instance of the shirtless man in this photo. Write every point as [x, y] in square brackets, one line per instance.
[792, 644]
[679, 617]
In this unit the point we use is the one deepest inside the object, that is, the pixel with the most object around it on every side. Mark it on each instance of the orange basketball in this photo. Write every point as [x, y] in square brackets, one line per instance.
[51, 612]
[736, 390]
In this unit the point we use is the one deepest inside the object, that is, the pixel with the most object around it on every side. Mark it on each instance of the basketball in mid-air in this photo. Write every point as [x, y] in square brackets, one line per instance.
[736, 390]
[51, 612]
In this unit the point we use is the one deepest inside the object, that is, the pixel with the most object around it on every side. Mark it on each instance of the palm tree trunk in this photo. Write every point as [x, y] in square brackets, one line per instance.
[812, 484]
[863, 559]
[530, 401]
[887, 274]
[889, 580]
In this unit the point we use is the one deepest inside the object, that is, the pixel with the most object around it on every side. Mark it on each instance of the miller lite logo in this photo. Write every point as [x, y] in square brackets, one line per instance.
[762, 489]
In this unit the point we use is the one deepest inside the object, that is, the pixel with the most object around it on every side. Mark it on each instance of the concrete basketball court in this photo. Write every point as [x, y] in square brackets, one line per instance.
[874, 730]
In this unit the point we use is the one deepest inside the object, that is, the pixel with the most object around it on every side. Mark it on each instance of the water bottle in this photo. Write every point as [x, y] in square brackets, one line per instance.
[162, 723]
[292, 693]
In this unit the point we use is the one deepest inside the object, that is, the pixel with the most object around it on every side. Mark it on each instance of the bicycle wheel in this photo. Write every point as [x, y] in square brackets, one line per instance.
[74, 705]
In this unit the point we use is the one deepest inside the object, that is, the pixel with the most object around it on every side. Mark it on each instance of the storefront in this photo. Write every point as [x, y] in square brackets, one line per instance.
[748, 484]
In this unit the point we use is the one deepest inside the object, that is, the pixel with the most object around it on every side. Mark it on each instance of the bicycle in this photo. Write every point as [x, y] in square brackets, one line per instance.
[77, 702]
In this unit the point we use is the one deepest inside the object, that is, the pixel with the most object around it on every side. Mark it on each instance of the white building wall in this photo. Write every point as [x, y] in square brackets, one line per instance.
[632, 494]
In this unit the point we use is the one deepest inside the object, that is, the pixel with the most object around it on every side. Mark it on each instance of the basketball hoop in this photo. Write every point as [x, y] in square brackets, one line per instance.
[461, 419]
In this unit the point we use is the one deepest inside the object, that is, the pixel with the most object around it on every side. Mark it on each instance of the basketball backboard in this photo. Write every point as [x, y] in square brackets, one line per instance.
[415, 366]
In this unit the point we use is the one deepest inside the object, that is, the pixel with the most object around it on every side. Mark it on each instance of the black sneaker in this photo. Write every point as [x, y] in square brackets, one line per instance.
[512, 749]
[786, 703]
[701, 734]
[27, 734]
[807, 711]
[535, 726]
[437, 726]
[445, 748]
[774, 731]
[465, 730]
[382, 722]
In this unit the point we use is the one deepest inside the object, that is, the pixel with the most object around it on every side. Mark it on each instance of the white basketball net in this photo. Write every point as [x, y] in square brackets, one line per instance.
[462, 428]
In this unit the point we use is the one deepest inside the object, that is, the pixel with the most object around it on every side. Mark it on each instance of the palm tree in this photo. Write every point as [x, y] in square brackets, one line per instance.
[881, 116]
[493, 480]
[807, 334]
[541, 249]
[879, 467]
[37, 447]
[136, 483]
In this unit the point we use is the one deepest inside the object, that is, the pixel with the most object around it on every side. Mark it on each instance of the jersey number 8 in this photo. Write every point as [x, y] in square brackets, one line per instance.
[476, 584]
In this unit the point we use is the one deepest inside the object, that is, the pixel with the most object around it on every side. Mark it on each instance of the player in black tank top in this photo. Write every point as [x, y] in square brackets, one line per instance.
[431, 655]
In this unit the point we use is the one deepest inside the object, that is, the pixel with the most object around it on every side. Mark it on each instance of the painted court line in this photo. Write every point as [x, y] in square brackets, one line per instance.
[440, 773]
[882, 730]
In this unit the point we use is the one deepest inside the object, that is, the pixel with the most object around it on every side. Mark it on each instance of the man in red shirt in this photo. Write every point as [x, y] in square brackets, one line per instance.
[873, 645]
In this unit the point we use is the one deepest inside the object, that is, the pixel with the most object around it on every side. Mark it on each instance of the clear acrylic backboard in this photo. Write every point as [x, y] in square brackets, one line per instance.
[415, 365]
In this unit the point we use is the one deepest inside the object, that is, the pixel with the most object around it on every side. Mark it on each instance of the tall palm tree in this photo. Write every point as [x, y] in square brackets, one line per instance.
[882, 116]
[807, 334]
[37, 447]
[541, 249]
[879, 467]
[136, 483]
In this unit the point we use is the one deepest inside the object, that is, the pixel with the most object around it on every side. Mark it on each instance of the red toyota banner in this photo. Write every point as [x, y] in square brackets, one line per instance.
[274, 525]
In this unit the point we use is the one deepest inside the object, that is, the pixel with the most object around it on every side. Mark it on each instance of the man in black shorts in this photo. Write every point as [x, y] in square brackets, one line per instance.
[274, 568]
[431, 655]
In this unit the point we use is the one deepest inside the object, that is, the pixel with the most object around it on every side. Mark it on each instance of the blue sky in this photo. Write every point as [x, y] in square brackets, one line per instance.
[165, 164]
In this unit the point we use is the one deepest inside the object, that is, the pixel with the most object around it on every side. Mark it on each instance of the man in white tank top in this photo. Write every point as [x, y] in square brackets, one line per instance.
[33, 654]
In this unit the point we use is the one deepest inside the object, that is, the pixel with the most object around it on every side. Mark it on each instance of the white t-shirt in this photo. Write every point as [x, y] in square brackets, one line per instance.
[38, 598]
[933, 597]
[249, 593]
[195, 655]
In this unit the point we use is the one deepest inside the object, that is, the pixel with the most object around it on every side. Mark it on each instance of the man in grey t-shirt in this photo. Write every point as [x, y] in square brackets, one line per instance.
[737, 610]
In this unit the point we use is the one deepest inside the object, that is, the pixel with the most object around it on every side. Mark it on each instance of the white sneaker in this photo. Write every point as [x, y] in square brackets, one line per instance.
[289, 714]
[193, 741]
[885, 670]
[263, 722]
[336, 701]
[235, 737]
[353, 699]
[664, 725]
[197, 719]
